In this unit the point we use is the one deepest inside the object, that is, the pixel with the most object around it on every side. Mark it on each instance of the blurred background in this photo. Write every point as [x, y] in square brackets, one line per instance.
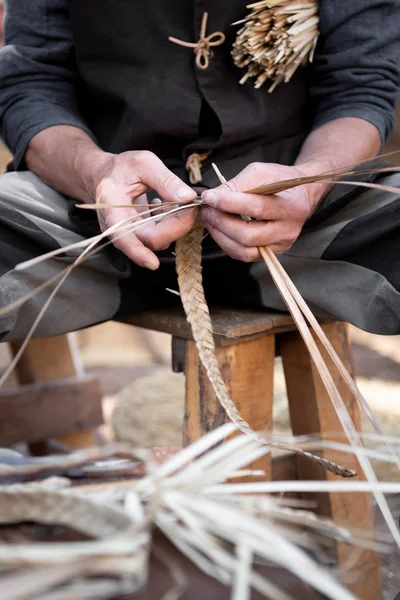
[134, 368]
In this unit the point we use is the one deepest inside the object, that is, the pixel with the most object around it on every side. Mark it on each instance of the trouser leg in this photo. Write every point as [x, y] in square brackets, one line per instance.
[34, 219]
[346, 264]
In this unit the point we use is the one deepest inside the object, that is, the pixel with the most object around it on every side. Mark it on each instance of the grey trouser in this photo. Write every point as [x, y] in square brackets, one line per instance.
[346, 264]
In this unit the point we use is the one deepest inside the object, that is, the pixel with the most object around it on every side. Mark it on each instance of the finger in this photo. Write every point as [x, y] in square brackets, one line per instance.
[239, 252]
[161, 234]
[140, 204]
[136, 251]
[233, 248]
[127, 241]
[257, 207]
[155, 175]
[161, 207]
[251, 233]
[259, 174]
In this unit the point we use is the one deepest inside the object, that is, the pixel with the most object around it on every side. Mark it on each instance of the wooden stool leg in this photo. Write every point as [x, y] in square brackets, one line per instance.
[311, 411]
[49, 359]
[248, 370]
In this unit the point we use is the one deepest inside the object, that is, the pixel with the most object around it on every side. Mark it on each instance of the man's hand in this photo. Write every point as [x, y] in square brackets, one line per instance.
[125, 179]
[278, 219]
[71, 162]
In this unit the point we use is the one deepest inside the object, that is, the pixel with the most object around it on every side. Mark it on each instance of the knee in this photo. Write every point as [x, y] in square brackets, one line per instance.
[17, 182]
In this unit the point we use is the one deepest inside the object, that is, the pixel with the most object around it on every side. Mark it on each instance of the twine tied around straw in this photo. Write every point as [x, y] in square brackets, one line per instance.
[202, 48]
[194, 165]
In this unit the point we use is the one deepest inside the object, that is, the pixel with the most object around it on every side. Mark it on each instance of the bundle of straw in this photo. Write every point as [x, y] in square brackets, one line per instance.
[225, 529]
[277, 37]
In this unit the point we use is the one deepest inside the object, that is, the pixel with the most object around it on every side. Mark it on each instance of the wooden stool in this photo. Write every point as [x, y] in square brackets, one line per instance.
[53, 398]
[246, 346]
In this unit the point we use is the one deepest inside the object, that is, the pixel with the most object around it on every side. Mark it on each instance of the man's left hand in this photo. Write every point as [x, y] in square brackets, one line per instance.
[277, 220]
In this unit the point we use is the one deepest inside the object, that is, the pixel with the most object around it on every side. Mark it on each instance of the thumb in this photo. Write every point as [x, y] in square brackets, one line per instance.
[251, 176]
[156, 175]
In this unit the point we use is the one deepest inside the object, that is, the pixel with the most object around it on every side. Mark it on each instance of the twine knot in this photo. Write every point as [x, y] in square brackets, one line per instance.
[202, 48]
[194, 164]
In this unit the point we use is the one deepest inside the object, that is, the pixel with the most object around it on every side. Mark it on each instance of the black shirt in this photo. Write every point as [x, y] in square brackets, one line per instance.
[47, 78]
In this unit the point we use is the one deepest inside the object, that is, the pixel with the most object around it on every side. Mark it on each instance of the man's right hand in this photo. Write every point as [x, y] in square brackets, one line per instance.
[69, 160]
[124, 179]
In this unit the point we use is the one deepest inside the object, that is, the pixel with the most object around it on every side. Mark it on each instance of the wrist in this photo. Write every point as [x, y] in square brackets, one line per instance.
[316, 191]
[69, 160]
[91, 165]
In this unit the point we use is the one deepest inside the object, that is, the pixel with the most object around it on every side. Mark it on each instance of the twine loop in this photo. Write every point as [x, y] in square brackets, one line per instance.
[194, 165]
[202, 48]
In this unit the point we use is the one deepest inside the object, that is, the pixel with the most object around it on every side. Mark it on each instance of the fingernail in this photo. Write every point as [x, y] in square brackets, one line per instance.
[206, 212]
[210, 198]
[157, 201]
[184, 193]
[150, 265]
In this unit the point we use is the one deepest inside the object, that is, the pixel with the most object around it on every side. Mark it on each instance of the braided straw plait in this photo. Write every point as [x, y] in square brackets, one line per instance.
[19, 502]
[119, 554]
[188, 265]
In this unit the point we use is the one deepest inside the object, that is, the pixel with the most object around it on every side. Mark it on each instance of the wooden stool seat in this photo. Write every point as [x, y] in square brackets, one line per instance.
[246, 344]
[229, 325]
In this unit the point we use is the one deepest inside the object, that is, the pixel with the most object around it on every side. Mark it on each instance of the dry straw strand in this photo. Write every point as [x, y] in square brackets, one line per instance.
[219, 526]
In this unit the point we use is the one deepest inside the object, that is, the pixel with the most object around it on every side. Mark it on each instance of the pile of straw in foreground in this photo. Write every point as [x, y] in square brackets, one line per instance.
[226, 530]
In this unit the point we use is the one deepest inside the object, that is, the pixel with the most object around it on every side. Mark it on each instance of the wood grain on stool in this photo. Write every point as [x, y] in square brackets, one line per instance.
[42, 411]
[248, 371]
[311, 411]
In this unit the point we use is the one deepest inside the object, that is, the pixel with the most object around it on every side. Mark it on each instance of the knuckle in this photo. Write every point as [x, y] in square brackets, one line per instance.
[278, 249]
[162, 245]
[146, 239]
[254, 167]
[246, 237]
[152, 243]
[247, 255]
[212, 218]
[300, 210]
[292, 234]
[231, 185]
[141, 157]
[168, 181]
[258, 209]
[157, 243]
[285, 247]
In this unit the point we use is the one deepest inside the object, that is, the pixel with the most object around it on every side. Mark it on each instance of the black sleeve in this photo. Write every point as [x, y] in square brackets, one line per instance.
[355, 72]
[38, 75]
